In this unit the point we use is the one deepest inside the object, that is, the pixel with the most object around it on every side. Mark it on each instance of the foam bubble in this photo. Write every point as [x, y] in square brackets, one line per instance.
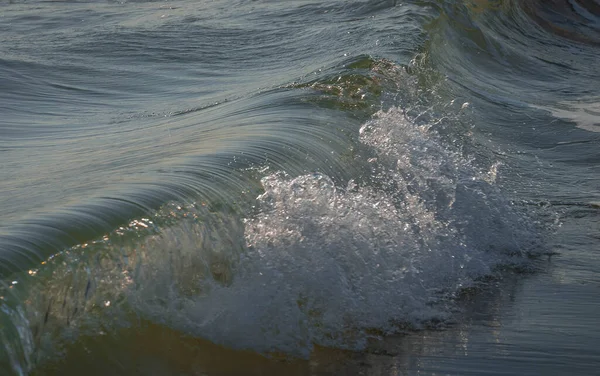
[326, 264]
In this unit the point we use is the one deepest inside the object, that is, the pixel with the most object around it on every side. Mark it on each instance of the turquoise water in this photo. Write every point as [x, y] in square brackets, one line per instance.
[251, 187]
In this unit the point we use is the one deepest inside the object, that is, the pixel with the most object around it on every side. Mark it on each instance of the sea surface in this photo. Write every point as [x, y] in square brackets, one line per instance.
[257, 187]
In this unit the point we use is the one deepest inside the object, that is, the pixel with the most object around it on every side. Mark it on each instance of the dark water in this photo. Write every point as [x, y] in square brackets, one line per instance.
[255, 187]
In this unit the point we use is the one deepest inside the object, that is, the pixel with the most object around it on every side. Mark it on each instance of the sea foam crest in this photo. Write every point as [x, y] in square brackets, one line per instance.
[326, 265]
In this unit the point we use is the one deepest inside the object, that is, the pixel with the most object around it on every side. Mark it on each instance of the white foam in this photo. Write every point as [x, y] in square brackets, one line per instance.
[321, 264]
[585, 113]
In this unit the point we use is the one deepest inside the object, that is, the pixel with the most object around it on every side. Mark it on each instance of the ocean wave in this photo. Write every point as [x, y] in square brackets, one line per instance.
[347, 197]
[309, 262]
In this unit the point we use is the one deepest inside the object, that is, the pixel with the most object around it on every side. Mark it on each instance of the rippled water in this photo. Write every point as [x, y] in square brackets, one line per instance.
[253, 187]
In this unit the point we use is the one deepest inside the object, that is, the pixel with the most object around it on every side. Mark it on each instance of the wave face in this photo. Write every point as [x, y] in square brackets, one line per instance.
[280, 177]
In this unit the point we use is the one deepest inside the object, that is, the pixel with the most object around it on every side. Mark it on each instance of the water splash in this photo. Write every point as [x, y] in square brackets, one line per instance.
[325, 264]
